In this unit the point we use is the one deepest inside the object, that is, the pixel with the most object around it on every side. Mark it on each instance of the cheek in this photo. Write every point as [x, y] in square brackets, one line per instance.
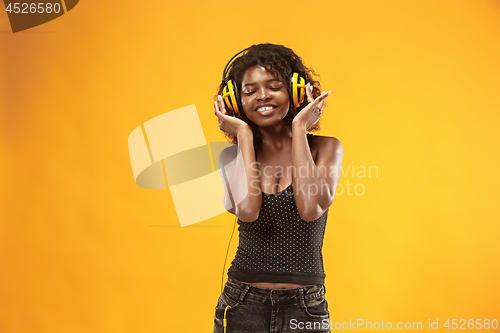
[286, 101]
[246, 108]
[246, 104]
[284, 97]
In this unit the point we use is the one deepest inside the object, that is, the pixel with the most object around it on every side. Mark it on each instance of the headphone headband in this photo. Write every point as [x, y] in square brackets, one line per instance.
[226, 69]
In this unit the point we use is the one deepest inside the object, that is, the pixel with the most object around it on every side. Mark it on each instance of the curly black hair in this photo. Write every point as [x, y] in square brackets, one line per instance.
[280, 61]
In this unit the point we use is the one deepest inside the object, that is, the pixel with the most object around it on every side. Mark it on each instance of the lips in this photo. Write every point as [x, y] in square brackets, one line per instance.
[265, 109]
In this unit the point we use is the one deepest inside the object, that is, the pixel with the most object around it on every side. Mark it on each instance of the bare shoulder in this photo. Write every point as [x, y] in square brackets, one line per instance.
[228, 154]
[326, 145]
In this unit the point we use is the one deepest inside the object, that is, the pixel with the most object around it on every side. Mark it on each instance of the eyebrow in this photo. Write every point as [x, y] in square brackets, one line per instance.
[270, 80]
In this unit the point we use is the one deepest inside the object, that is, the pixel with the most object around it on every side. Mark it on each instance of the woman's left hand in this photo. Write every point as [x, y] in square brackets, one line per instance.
[310, 114]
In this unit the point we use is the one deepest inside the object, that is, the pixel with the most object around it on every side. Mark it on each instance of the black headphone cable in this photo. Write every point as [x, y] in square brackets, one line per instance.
[224, 320]
[227, 252]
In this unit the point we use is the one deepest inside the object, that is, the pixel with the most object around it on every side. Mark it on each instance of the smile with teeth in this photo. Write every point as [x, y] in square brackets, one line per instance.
[265, 108]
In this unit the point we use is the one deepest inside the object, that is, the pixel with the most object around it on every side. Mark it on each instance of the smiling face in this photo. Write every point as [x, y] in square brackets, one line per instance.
[264, 97]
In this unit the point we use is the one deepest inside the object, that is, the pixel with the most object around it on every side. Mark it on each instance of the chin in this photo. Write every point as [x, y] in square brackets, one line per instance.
[271, 120]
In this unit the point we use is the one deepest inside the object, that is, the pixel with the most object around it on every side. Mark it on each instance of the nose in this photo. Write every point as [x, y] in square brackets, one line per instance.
[262, 94]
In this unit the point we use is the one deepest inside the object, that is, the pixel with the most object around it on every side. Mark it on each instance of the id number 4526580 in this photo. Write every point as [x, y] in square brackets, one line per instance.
[471, 324]
[33, 8]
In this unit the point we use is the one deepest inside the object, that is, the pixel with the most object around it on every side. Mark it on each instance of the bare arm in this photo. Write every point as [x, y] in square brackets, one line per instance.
[241, 176]
[315, 182]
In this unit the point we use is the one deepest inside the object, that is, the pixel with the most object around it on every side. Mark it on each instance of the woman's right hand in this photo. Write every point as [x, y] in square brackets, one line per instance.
[228, 124]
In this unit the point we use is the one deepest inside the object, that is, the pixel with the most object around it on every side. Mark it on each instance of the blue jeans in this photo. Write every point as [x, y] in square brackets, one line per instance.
[258, 310]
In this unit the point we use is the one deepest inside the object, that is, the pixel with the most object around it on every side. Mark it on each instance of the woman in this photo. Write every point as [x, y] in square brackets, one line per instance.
[280, 182]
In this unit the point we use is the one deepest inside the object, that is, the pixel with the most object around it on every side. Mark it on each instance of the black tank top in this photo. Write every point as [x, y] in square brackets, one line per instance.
[280, 247]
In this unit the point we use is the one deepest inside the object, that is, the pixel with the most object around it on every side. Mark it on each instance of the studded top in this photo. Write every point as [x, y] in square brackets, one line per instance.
[280, 247]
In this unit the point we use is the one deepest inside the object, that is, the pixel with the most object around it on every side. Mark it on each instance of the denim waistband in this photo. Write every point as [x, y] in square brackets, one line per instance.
[239, 291]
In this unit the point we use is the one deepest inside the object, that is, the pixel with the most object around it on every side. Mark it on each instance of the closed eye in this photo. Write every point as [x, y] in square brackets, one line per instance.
[248, 93]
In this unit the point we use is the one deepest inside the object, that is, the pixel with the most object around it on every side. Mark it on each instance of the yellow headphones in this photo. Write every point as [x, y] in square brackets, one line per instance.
[232, 97]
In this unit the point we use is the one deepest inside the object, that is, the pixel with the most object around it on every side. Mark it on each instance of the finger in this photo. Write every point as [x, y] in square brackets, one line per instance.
[321, 105]
[218, 113]
[309, 95]
[222, 105]
[322, 97]
[216, 110]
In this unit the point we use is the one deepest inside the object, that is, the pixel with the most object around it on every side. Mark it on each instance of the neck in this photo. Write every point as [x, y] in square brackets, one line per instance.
[276, 137]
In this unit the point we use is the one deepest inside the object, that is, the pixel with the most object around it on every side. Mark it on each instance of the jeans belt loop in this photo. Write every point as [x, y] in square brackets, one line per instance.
[243, 293]
[301, 298]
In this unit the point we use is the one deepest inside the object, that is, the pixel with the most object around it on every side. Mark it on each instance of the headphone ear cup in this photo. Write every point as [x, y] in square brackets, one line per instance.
[237, 98]
[231, 97]
[297, 89]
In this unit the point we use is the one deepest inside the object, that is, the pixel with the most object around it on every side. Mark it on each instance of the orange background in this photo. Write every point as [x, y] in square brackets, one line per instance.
[415, 93]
